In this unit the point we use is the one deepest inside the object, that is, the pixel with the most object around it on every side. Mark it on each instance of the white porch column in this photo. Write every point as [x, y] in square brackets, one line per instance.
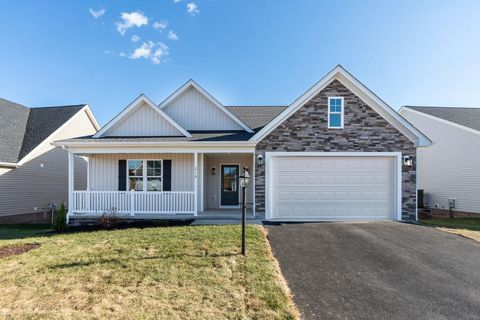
[195, 182]
[87, 159]
[202, 178]
[71, 183]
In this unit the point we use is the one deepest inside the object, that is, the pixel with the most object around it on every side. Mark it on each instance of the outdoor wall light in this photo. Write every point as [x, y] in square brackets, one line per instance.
[260, 160]
[407, 161]
[213, 171]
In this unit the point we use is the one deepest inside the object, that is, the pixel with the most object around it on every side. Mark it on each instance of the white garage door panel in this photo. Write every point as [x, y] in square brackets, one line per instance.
[332, 188]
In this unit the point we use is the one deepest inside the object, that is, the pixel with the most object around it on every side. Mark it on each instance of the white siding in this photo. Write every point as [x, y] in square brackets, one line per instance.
[193, 111]
[450, 168]
[212, 183]
[143, 121]
[104, 170]
[31, 185]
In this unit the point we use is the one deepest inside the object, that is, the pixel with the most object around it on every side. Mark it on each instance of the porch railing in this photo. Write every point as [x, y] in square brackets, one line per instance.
[134, 202]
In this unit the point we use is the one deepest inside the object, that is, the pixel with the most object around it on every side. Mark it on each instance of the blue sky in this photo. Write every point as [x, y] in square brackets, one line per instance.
[243, 52]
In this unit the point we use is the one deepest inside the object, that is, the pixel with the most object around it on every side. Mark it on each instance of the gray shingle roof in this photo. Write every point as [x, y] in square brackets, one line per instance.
[468, 117]
[256, 117]
[13, 121]
[196, 136]
[23, 128]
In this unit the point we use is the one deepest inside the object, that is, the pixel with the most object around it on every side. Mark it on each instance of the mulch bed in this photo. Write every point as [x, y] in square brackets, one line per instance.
[17, 249]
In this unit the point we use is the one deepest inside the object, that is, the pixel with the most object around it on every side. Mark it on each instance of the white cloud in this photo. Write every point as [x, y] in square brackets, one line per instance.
[153, 51]
[98, 13]
[172, 35]
[160, 25]
[177, 1]
[136, 18]
[135, 38]
[192, 8]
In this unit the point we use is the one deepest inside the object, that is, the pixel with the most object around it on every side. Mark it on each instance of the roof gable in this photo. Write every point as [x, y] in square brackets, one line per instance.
[23, 129]
[360, 90]
[196, 109]
[142, 118]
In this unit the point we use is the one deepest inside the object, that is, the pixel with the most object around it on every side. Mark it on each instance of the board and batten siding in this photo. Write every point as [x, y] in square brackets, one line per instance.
[43, 177]
[212, 183]
[104, 170]
[193, 111]
[143, 121]
[450, 168]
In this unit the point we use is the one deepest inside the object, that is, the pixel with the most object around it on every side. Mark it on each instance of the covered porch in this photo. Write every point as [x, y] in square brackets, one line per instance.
[161, 184]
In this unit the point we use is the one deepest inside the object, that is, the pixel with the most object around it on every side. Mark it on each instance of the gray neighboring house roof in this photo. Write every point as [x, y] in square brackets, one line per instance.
[468, 117]
[23, 128]
[255, 117]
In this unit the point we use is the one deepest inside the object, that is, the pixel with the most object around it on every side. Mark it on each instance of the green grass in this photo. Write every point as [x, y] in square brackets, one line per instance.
[19, 231]
[455, 223]
[151, 273]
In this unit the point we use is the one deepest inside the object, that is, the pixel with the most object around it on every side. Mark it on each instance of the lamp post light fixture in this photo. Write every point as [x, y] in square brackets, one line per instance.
[244, 181]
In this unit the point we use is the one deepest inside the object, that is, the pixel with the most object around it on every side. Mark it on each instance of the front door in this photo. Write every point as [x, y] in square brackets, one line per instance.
[229, 185]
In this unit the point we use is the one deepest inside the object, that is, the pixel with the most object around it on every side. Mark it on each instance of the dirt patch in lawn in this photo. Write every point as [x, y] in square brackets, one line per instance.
[15, 250]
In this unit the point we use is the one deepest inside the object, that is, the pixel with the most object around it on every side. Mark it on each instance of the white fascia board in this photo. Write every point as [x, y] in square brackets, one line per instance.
[102, 143]
[92, 117]
[133, 105]
[9, 165]
[359, 89]
[49, 139]
[112, 149]
[193, 84]
[405, 109]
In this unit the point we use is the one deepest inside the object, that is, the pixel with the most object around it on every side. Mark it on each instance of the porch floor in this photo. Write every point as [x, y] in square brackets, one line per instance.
[209, 216]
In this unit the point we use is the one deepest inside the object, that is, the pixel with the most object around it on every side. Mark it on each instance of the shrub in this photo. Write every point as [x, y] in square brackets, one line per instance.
[109, 218]
[61, 219]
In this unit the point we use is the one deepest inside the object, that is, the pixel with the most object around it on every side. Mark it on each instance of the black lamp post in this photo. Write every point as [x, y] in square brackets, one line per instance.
[244, 181]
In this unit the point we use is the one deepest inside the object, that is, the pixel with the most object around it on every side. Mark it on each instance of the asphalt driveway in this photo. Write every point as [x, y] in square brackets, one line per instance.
[378, 270]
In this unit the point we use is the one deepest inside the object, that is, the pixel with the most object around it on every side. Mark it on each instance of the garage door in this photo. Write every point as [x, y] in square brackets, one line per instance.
[331, 187]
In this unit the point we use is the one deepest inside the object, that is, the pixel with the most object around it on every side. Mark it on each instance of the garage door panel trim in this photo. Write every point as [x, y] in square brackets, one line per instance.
[270, 184]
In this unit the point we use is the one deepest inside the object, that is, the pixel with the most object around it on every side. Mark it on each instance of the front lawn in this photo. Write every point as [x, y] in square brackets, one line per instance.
[468, 227]
[18, 231]
[151, 273]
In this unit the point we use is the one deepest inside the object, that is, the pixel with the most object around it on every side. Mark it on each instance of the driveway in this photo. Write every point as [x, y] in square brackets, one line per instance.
[378, 270]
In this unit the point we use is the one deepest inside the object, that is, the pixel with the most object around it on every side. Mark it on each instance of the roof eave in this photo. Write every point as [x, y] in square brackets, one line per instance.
[9, 164]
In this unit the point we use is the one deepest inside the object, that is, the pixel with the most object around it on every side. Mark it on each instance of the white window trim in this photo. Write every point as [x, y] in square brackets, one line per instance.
[341, 112]
[144, 175]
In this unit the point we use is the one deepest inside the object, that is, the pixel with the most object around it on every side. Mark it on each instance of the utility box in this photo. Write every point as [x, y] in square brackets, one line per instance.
[451, 203]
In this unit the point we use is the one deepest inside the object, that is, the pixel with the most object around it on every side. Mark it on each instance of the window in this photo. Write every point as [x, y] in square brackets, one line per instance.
[335, 112]
[140, 179]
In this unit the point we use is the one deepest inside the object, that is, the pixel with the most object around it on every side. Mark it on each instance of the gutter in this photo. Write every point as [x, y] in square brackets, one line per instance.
[155, 143]
[9, 165]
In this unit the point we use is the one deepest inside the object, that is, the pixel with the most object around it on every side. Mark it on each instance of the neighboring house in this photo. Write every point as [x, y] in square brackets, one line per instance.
[33, 173]
[338, 152]
[450, 168]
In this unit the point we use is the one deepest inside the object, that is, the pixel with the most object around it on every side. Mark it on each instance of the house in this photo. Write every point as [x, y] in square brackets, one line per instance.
[338, 152]
[450, 168]
[33, 173]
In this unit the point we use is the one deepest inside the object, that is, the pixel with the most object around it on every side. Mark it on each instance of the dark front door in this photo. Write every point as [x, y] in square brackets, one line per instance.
[229, 185]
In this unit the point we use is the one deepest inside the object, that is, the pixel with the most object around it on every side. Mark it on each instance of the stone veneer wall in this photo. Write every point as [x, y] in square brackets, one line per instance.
[364, 131]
